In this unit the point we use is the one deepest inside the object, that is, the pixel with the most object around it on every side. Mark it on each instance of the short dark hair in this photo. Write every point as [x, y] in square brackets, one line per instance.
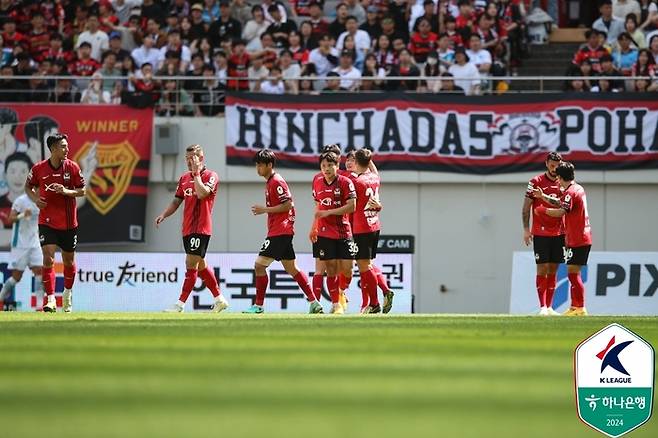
[605, 2]
[52, 140]
[566, 171]
[330, 157]
[18, 156]
[553, 156]
[9, 117]
[331, 148]
[363, 157]
[37, 126]
[84, 44]
[265, 156]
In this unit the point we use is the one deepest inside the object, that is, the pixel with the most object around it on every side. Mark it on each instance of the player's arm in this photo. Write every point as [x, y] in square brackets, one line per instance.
[373, 168]
[73, 193]
[171, 209]
[202, 190]
[32, 192]
[281, 208]
[313, 234]
[553, 200]
[552, 212]
[348, 208]
[14, 216]
[525, 217]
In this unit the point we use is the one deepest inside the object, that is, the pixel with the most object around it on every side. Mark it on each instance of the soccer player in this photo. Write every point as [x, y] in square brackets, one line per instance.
[547, 234]
[53, 185]
[334, 195]
[278, 245]
[572, 205]
[382, 283]
[197, 189]
[25, 248]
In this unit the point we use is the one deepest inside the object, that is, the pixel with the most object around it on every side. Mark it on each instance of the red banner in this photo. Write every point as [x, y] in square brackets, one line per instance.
[112, 145]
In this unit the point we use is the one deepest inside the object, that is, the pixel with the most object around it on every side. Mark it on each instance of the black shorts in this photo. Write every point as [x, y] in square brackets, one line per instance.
[548, 249]
[278, 248]
[366, 245]
[336, 249]
[66, 240]
[196, 244]
[577, 256]
[316, 250]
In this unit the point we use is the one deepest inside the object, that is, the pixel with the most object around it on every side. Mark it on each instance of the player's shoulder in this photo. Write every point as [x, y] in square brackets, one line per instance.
[537, 179]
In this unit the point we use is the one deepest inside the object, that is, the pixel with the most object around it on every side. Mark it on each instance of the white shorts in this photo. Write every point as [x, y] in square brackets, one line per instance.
[21, 258]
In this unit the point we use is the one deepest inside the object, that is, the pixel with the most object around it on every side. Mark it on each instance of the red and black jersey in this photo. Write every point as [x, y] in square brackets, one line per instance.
[277, 193]
[300, 55]
[39, 42]
[320, 27]
[420, 46]
[197, 213]
[456, 39]
[60, 211]
[576, 220]
[59, 55]
[238, 66]
[365, 220]
[542, 224]
[331, 195]
[593, 54]
[84, 67]
[16, 39]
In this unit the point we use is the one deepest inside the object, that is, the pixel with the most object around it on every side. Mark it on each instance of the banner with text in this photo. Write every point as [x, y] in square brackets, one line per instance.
[616, 283]
[480, 135]
[144, 282]
[112, 145]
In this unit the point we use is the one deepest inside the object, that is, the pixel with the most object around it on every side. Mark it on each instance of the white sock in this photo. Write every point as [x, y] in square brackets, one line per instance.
[7, 287]
[38, 289]
[179, 303]
[69, 291]
[51, 299]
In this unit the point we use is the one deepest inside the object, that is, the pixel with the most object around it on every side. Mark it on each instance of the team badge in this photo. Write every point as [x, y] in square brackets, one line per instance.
[113, 173]
[614, 374]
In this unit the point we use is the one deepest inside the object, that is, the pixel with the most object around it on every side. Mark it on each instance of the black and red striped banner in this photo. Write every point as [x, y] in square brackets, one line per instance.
[112, 144]
[431, 132]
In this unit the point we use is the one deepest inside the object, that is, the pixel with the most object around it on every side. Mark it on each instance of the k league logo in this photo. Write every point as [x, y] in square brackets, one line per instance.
[614, 376]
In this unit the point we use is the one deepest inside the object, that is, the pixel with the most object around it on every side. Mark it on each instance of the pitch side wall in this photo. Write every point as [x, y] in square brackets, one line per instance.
[466, 226]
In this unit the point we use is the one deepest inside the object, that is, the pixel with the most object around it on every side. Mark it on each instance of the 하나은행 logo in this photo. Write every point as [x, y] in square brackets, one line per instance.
[614, 377]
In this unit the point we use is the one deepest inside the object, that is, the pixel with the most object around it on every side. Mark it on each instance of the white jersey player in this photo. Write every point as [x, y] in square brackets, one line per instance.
[25, 247]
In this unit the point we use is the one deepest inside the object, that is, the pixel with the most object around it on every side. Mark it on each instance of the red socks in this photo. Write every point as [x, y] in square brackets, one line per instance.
[332, 285]
[69, 276]
[369, 284]
[261, 286]
[344, 281]
[381, 279]
[317, 286]
[302, 281]
[188, 284]
[48, 275]
[550, 289]
[540, 281]
[577, 290]
[208, 277]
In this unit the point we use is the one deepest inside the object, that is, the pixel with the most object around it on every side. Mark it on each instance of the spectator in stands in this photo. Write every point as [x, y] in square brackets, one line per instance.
[333, 83]
[115, 47]
[257, 72]
[355, 9]
[603, 86]
[653, 46]
[448, 84]
[608, 69]
[405, 67]
[220, 62]
[608, 23]
[511, 18]
[280, 28]
[154, 29]
[240, 11]
[282, 9]
[274, 85]
[479, 56]
[122, 8]
[152, 10]
[422, 42]
[307, 39]
[621, 8]
[645, 66]
[109, 68]
[337, 27]
[290, 71]
[85, 65]
[451, 30]
[445, 53]
[386, 57]
[209, 99]
[197, 27]
[637, 36]
[37, 90]
[98, 40]
[592, 50]
[203, 47]
[307, 84]
[487, 32]
[94, 94]
[12, 37]
[577, 85]
[390, 30]
[319, 25]
[349, 74]
[238, 64]
[300, 8]
[254, 29]
[106, 18]
[210, 11]
[371, 69]
[146, 53]
[269, 52]
[56, 51]
[431, 71]
[325, 57]
[175, 44]
[38, 37]
[371, 25]
[624, 56]
[358, 55]
[64, 91]
[147, 90]
[299, 54]
[429, 15]
[8, 86]
[465, 22]
[174, 101]
[466, 74]
[361, 37]
[648, 8]
[225, 27]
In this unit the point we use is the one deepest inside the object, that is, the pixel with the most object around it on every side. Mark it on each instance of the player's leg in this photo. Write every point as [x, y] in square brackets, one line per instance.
[208, 276]
[192, 262]
[10, 284]
[48, 275]
[365, 245]
[344, 280]
[576, 259]
[318, 275]
[541, 247]
[556, 258]
[67, 242]
[290, 265]
[332, 284]
[262, 280]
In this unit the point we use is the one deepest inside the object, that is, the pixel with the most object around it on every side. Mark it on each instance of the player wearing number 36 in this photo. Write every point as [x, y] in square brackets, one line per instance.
[197, 189]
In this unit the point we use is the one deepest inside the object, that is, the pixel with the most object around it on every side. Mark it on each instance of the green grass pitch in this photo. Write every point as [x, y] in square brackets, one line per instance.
[204, 375]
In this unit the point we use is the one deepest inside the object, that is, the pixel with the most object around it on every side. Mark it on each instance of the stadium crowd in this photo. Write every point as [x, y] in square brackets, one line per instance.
[352, 45]
[623, 42]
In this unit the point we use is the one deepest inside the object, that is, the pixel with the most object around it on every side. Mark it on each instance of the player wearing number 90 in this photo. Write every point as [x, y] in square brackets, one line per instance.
[280, 231]
[197, 189]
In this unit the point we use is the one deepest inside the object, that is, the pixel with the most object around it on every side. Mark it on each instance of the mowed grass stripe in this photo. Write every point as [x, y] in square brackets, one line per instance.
[281, 375]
